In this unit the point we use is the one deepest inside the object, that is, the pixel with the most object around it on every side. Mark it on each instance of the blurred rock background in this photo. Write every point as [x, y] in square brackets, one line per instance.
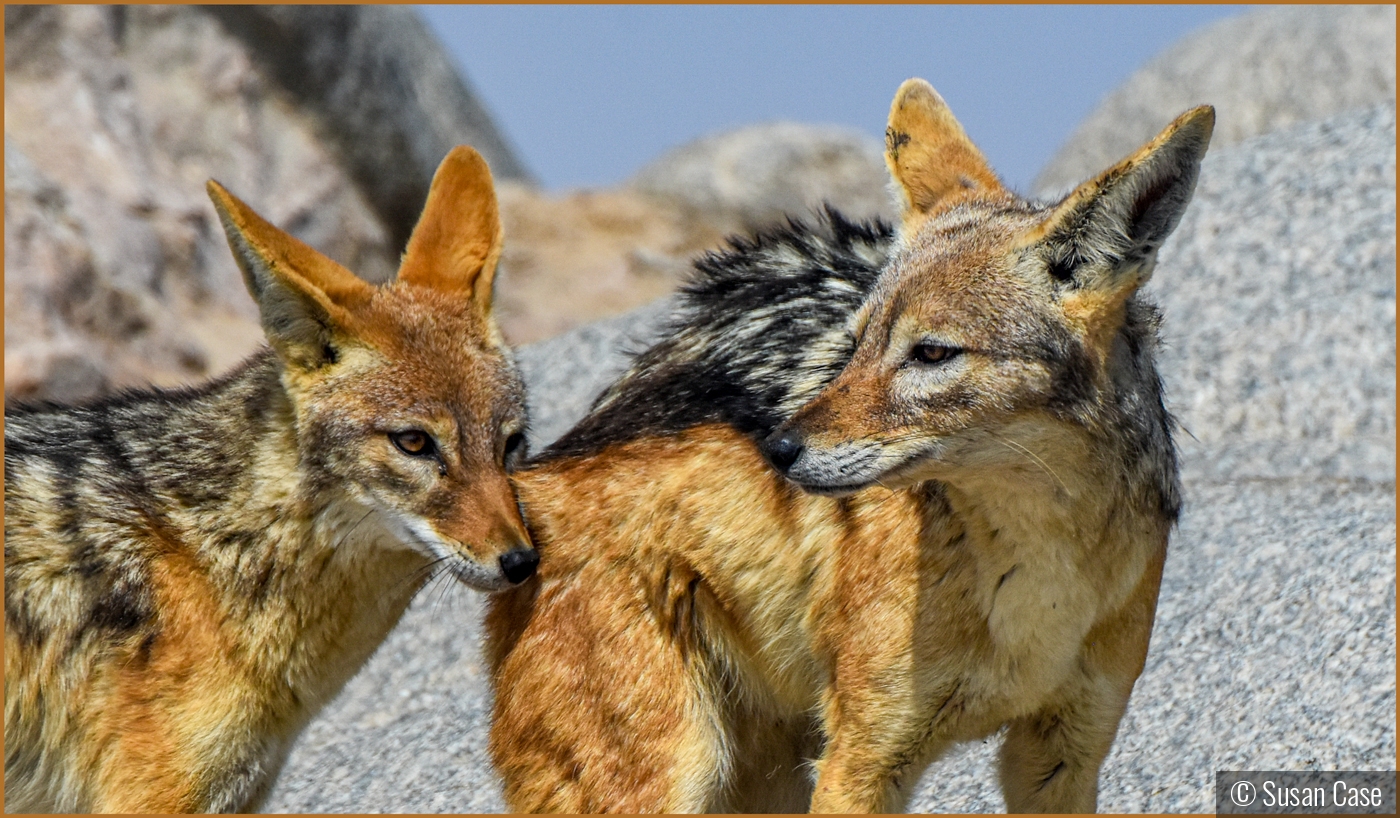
[117, 273]
[1275, 644]
[1263, 71]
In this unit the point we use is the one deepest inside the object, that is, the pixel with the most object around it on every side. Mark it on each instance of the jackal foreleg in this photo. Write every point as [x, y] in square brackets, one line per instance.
[1050, 760]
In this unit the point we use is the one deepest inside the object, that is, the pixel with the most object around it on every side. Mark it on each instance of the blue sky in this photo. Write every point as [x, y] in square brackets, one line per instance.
[588, 94]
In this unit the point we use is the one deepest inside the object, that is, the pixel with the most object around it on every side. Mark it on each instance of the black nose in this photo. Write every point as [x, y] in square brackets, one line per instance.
[519, 564]
[782, 450]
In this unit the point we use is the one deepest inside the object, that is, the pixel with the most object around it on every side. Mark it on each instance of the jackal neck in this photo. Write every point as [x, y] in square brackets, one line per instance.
[310, 577]
[1058, 505]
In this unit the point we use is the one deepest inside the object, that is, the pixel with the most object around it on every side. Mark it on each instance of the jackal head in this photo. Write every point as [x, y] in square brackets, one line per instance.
[998, 325]
[405, 398]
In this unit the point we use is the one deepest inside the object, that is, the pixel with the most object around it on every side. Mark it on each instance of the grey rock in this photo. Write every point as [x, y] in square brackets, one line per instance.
[75, 326]
[763, 172]
[124, 113]
[383, 91]
[1278, 290]
[329, 121]
[42, 237]
[1264, 70]
[1274, 647]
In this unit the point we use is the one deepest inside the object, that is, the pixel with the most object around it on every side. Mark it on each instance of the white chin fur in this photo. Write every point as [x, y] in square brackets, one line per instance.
[850, 467]
[415, 533]
[846, 465]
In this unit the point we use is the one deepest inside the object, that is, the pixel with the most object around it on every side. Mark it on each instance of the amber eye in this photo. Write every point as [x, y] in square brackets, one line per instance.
[933, 353]
[414, 442]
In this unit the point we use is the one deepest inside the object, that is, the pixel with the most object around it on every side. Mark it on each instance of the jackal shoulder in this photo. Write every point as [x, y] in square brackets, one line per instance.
[90, 492]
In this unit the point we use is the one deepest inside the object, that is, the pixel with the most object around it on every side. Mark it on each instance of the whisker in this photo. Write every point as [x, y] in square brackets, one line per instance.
[1017, 447]
[902, 438]
[443, 590]
[422, 575]
[433, 590]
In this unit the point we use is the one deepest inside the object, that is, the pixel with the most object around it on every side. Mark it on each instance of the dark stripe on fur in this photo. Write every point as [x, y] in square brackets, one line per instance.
[750, 324]
[116, 467]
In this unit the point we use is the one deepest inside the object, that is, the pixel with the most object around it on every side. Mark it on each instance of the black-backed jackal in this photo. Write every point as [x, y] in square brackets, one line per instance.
[191, 574]
[965, 528]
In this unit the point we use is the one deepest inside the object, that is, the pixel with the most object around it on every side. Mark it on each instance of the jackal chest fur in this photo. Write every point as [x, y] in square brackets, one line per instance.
[1030, 569]
[987, 603]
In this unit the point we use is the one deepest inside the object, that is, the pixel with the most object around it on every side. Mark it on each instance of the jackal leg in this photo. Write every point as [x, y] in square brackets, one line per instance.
[881, 732]
[769, 772]
[1050, 760]
[863, 774]
[602, 705]
[145, 788]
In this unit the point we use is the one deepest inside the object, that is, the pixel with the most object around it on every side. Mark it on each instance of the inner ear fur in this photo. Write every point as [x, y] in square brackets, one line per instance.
[456, 245]
[303, 296]
[929, 154]
[1106, 233]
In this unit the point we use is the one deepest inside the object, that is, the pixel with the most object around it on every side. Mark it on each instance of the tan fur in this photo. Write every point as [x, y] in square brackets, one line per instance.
[175, 616]
[619, 606]
[701, 627]
[929, 155]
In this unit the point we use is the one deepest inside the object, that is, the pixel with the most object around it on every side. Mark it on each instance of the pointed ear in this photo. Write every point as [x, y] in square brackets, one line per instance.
[1103, 238]
[457, 243]
[929, 154]
[1106, 233]
[302, 295]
